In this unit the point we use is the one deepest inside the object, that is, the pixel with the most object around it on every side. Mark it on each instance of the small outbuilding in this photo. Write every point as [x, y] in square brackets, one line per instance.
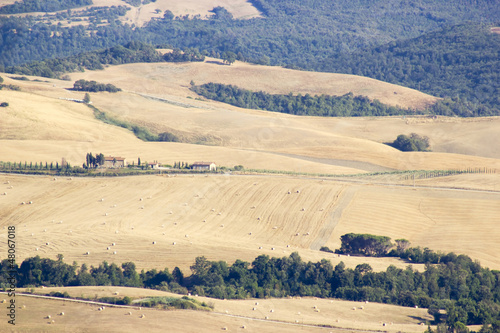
[204, 166]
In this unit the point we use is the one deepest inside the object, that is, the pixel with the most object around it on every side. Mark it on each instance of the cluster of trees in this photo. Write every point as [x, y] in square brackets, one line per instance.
[93, 86]
[92, 161]
[181, 165]
[189, 54]
[413, 142]
[137, 3]
[365, 244]
[469, 293]
[28, 6]
[324, 105]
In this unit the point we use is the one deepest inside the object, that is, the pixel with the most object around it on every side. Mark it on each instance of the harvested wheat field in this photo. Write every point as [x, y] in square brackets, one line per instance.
[221, 217]
[173, 79]
[237, 217]
[255, 139]
[158, 98]
[159, 106]
[251, 313]
[33, 316]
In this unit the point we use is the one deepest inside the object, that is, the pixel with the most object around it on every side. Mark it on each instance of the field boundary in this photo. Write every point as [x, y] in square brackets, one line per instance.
[75, 300]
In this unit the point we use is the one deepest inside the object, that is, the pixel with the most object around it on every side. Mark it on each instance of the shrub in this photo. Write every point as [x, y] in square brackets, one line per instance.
[326, 249]
[414, 142]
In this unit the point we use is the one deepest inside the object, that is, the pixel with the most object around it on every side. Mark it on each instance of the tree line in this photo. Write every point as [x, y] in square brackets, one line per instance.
[469, 293]
[347, 105]
[93, 86]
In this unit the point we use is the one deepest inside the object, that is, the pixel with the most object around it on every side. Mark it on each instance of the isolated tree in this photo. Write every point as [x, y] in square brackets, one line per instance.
[86, 99]
[228, 57]
[168, 15]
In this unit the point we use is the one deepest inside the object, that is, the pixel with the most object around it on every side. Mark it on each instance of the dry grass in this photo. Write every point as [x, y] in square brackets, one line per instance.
[86, 318]
[335, 313]
[240, 9]
[70, 215]
[173, 79]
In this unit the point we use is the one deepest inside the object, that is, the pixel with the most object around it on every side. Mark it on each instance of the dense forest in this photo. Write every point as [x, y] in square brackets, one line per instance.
[462, 60]
[27, 6]
[333, 106]
[132, 52]
[469, 293]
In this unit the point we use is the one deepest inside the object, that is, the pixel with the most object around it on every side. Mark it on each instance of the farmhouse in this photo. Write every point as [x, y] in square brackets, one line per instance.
[153, 165]
[114, 162]
[204, 166]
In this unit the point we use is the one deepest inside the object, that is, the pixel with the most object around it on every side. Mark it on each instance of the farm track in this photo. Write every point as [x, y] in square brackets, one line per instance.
[343, 200]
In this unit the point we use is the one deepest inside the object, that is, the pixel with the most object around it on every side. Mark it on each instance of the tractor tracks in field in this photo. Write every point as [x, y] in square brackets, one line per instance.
[344, 198]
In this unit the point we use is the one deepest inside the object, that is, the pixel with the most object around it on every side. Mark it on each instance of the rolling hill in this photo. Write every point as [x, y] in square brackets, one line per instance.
[168, 220]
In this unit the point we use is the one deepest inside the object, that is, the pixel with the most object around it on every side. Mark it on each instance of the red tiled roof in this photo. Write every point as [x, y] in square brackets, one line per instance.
[111, 158]
[202, 163]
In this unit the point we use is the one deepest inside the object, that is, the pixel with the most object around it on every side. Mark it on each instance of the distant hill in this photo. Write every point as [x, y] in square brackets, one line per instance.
[293, 33]
[460, 61]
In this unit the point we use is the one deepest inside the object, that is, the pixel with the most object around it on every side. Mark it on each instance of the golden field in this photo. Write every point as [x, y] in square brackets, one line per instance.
[230, 216]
